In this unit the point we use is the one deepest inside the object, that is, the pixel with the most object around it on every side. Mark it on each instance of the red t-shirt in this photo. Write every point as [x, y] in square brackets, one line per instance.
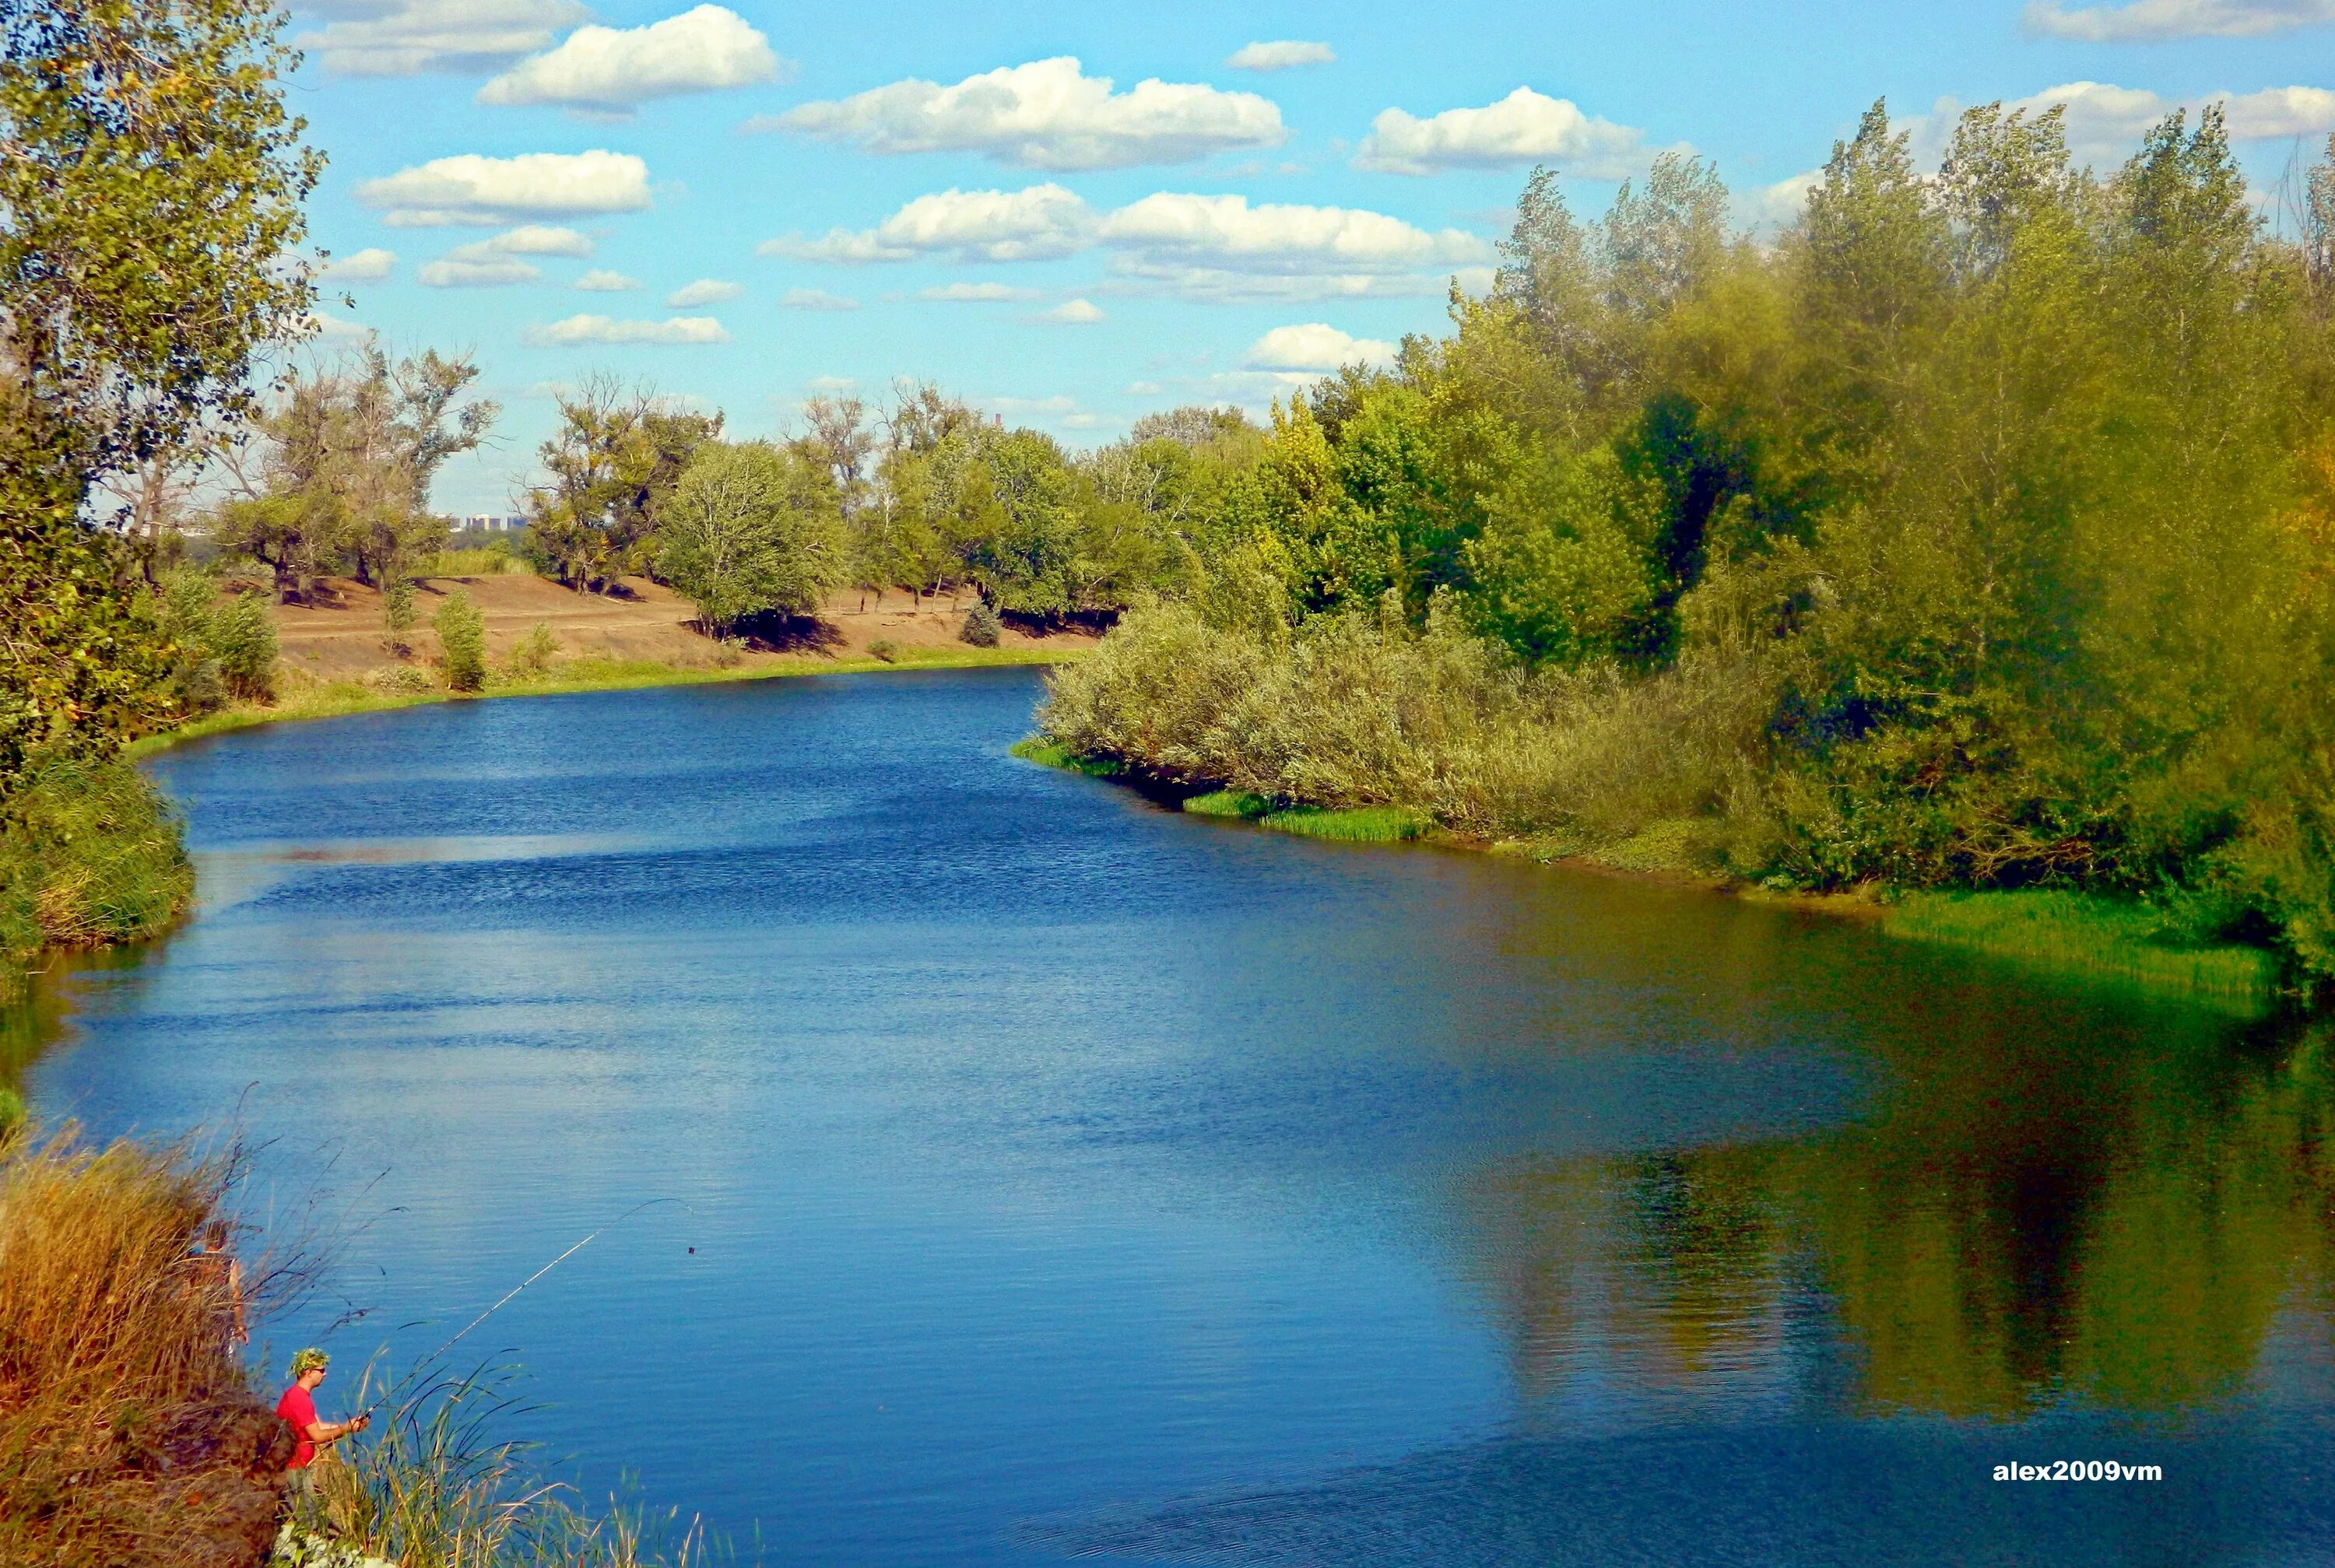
[299, 1407]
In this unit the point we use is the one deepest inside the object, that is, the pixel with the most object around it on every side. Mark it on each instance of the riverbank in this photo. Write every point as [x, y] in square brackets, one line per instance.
[2054, 931]
[303, 698]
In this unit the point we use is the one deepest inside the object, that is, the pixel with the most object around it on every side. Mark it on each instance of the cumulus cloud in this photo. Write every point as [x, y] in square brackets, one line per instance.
[457, 271]
[601, 329]
[1283, 54]
[610, 70]
[487, 191]
[1315, 347]
[1202, 247]
[368, 266]
[1074, 313]
[2154, 20]
[2105, 123]
[528, 239]
[704, 291]
[1047, 114]
[1036, 224]
[600, 280]
[1274, 236]
[1778, 204]
[978, 293]
[817, 299]
[333, 329]
[405, 37]
[1524, 127]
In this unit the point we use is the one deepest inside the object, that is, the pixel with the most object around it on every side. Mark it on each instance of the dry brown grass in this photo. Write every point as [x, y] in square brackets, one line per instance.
[128, 1435]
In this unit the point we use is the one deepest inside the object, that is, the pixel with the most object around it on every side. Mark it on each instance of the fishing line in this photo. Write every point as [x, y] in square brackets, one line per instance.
[512, 1294]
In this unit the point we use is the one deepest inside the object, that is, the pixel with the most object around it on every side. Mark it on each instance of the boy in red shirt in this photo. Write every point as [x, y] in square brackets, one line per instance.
[298, 1406]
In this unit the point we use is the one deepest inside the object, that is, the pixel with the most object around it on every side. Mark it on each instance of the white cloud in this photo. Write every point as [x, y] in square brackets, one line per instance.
[1042, 221]
[704, 291]
[1283, 54]
[1216, 247]
[978, 293]
[1274, 236]
[1778, 204]
[333, 329]
[600, 280]
[527, 240]
[466, 271]
[601, 329]
[1315, 347]
[1524, 127]
[611, 71]
[369, 266]
[404, 38]
[485, 191]
[817, 299]
[2105, 123]
[831, 384]
[1073, 312]
[1047, 114]
[2152, 21]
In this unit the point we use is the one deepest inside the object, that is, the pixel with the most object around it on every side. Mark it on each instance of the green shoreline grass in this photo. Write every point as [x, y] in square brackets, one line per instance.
[2068, 935]
[339, 699]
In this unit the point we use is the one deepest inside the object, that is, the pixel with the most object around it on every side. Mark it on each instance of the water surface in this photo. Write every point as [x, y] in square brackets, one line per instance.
[1067, 1178]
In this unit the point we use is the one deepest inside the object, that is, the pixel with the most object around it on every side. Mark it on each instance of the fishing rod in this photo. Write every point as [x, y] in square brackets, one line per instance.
[512, 1294]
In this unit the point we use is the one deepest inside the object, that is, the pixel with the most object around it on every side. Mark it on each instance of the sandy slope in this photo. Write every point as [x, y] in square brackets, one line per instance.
[343, 638]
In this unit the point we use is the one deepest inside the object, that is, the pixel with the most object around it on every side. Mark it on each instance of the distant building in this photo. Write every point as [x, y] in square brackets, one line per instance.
[490, 522]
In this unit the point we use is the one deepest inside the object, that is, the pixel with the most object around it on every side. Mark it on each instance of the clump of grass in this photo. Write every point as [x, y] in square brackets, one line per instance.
[1229, 803]
[2080, 933]
[1355, 825]
[128, 1433]
[432, 1486]
[532, 656]
[89, 856]
[482, 561]
[1054, 754]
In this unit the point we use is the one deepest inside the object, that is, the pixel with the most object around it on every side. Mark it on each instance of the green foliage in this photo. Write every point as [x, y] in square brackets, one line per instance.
[1235, 804]
[532, 655]
[884, 649]
[1361, 825]
[462, 642]
[2071, 933]
[751, 529]
[616, 457]
[982, 628]
[1974, 534]
[90, 856]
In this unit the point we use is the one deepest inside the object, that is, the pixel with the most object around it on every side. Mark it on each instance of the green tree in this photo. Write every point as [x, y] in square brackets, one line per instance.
[462, 642]
[752, 529]
[616, 456]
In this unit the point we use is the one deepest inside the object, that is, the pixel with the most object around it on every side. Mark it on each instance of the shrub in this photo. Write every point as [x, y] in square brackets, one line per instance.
[884, 648]
[532, 656]
[399, 680]
[462, 640]
[243, 640]
[982, 628]
[90, 856]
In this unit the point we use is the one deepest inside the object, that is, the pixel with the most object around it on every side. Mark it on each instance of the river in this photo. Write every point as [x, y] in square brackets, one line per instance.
[1052, 1175]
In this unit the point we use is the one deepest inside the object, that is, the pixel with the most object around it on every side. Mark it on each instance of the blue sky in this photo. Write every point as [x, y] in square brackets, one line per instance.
[885, 189]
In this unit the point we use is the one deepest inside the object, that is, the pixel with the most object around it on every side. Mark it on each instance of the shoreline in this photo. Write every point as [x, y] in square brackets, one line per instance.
[2057, 933]
[342, 699]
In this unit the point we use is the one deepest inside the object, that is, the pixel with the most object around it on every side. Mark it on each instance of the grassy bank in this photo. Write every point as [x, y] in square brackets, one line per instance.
[334, 699]
[132, 1432]
[2051, 931]
[89, 856]
[2075, 933]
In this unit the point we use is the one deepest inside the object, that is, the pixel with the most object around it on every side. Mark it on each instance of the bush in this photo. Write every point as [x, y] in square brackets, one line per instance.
[243, 640]
[532, 656]
[399, 680]
[884, 648]
[226, 647]
[89, 856]
[462, 640]
[982, 628]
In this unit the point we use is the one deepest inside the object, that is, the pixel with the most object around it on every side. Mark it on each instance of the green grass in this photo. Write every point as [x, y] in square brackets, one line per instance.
[334, 699]
[2079, 934]
[90, 857]
[1358, 825]
[1054, 754]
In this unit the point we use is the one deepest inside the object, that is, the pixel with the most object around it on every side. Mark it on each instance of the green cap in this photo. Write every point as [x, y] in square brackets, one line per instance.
[311, 1360]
